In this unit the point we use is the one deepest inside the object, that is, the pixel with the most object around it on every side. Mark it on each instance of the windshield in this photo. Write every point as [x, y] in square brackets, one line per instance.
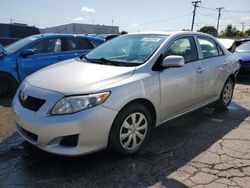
[130, 50]
[245, 47]
[19, 44]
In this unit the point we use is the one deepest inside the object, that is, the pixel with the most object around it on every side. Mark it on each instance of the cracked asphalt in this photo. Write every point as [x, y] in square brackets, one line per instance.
[202, 149]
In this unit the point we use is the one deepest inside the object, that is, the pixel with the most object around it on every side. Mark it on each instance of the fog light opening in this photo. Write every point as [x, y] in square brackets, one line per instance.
[69, 141]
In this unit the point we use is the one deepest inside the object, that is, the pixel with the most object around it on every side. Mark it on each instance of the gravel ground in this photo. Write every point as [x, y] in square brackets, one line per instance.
[202, 149]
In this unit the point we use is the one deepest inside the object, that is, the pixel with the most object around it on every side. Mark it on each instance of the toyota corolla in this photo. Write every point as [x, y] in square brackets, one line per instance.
[116, 94]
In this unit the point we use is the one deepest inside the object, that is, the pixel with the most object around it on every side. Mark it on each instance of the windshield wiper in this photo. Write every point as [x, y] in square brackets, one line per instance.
[104, 61]
[110, 62]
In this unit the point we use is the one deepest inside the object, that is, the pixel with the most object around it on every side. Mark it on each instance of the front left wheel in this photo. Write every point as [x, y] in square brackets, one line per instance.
[131, 129]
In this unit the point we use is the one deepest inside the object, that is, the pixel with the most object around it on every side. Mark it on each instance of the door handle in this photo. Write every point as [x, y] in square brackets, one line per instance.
[200, 70]
[225, 63]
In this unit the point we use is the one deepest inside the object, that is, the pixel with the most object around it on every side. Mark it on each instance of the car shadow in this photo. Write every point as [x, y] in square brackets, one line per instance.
[243, 78]
[5, 102]
[170, 147]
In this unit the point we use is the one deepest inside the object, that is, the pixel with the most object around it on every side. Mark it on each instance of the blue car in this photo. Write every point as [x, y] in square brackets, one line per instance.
[243, 52]
[30, 54]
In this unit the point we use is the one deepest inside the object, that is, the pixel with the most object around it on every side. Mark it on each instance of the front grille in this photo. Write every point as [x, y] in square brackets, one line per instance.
[31, 103]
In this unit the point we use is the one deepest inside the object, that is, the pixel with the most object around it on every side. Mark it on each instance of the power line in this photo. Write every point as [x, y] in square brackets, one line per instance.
[232, 11]
[161, 21]
[195, 4]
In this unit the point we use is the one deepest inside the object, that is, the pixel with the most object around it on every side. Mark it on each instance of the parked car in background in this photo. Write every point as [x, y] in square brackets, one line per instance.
[243, 52]
[10, 33]
[108, 37]
[117, 93]
[30, 54]
[229, 44]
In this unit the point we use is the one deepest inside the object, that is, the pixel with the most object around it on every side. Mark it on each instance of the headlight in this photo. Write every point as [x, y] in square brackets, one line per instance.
[74, 104]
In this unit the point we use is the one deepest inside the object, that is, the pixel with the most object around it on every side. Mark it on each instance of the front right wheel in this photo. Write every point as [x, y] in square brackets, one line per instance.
[225, 96]
[8, 86]
[131, 129]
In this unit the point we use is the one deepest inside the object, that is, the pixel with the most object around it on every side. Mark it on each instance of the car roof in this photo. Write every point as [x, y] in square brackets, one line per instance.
[62, 35]
[172, 33]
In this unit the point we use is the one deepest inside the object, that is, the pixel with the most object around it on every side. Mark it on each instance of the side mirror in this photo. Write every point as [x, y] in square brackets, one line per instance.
[173, 61]
[27, 53]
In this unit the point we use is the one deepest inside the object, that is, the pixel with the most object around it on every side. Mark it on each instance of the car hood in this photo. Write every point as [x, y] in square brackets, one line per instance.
[75, 77]
[243, 56]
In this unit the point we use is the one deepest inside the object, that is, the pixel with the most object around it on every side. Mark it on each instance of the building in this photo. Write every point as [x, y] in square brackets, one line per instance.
[77, 28]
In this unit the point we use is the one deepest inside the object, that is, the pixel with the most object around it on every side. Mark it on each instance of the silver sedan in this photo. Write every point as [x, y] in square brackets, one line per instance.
[116, 94]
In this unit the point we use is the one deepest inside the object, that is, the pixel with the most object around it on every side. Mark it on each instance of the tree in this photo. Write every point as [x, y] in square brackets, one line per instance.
[209, 30]
[247, 32]
[231, 32]
[124, 32]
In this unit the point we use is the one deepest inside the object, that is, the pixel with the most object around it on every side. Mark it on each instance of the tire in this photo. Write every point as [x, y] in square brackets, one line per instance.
[8, 86]
[130, 130]
[225, 96]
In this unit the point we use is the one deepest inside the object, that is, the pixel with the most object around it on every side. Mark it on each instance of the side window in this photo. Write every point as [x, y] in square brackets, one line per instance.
[48, 46]
[78, 43]
[220, 50]
[184, 47]
[208, 47]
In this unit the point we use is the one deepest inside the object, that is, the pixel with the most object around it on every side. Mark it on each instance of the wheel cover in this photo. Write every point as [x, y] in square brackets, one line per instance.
[133, 131]
[228, 93]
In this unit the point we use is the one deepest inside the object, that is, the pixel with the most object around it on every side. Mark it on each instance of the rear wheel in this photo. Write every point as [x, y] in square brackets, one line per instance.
[131, 129]
[226, 95]
[8, 86]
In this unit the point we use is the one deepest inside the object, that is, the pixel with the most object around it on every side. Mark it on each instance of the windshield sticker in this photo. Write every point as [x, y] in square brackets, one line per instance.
[151, 39]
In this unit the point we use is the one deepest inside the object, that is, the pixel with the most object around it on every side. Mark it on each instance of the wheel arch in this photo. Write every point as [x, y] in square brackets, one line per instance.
[9, 75]
[233, 77]
[148, 104]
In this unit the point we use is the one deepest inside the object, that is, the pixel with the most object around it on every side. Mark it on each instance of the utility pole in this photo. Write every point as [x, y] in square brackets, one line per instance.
[218, 22]
[195, 4]
[243, 26]
[112, 26]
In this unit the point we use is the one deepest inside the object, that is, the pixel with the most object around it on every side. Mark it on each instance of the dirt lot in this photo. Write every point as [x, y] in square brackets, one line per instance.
[202, 149]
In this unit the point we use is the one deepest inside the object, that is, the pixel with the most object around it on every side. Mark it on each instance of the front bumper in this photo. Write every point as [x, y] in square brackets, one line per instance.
[46, 132]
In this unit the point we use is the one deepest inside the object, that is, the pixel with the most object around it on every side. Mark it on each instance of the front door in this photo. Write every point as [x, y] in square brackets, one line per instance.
[178, 85]
[47, 52]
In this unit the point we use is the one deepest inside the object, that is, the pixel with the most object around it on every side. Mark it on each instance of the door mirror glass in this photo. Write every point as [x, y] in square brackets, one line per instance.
[27, 53]
[173, 61]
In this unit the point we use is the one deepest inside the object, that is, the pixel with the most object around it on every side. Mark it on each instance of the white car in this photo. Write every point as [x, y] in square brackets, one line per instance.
[114, 96]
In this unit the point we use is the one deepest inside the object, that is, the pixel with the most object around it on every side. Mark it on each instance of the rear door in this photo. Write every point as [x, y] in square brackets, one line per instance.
[47, 52]
[77, 46]
[178, 85]
[214, 67]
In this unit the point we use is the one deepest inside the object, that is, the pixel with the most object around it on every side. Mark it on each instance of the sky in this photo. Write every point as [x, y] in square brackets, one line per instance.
[129, 15]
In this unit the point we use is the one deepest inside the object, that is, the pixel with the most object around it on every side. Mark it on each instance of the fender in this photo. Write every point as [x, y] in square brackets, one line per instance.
[8, 65]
